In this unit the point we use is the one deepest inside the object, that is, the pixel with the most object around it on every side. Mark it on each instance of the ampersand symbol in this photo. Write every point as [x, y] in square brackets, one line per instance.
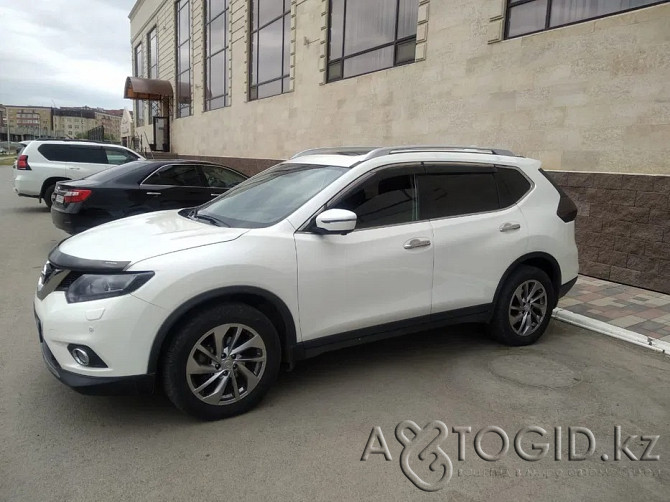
[421, 445]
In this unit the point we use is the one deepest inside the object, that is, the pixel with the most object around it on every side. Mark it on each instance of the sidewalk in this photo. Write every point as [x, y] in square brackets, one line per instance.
[634, 309]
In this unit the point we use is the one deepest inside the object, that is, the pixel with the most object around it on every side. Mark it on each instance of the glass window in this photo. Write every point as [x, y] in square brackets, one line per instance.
[456, 194]
[529, 16]
[217, 55]
[178, 175]
[73, 153]
[139, 72]
[370, 35]
[272, 195]
[183, 58]
[117, 156]
[389, 198]
[512, 185]
[270, 48]
[221, 177]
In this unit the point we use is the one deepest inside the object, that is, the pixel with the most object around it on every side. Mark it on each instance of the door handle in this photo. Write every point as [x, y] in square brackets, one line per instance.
[508, 227]
[214, 194]
[416, 243]
[153, 193]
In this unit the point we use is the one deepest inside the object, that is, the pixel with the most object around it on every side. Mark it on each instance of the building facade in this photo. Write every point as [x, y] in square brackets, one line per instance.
[73, 122]
[582, 85]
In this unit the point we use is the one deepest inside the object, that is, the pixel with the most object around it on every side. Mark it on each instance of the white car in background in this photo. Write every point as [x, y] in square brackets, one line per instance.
[43, 163]
[331, 248]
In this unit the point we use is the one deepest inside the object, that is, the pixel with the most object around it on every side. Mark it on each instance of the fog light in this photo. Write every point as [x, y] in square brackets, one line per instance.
[81, 356]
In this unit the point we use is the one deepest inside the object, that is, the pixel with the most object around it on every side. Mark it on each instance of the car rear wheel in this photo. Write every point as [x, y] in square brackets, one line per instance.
[48, 192]
[221, 362]
[523, 310]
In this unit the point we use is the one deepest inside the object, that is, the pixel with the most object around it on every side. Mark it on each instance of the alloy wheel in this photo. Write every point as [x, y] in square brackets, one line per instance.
[528, 307]
[226, 364]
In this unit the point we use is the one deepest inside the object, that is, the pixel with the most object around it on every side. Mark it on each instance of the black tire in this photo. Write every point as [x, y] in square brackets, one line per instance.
[177, 383]
[501, 326]
[48, 192]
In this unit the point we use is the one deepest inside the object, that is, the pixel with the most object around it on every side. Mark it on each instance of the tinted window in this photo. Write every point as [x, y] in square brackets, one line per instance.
[135, 172]
[386, 199]
[220, 177]
[181, 175]
[456, 194]
[512, 185]
[74, 153]
[117, 156]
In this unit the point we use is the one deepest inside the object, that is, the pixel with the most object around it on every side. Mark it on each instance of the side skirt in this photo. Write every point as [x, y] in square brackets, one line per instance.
[311, 348]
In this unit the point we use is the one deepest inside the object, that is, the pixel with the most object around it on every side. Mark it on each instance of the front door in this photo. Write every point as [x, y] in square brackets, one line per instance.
[379, 273]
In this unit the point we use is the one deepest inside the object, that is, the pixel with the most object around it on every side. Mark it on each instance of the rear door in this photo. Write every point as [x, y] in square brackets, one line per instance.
[174, 186]
[478, 230]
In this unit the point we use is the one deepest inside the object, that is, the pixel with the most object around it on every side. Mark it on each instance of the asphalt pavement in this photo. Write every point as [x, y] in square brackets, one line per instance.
[307, 438]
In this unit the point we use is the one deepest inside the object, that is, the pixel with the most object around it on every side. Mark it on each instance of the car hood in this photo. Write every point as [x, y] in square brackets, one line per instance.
[129, 240]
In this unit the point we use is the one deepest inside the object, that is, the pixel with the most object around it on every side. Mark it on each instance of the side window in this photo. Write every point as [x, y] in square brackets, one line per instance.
[74, 153]
[179, 175]
[117, 156]
[512, 185]
[388, 198]
[454, 194]
[220, 177]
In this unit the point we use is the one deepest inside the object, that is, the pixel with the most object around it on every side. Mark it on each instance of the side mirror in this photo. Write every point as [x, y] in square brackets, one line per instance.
[336, 221]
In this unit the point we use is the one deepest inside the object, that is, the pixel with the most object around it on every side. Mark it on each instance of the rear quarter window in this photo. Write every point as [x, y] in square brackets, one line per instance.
[74, 153]
[512, 186]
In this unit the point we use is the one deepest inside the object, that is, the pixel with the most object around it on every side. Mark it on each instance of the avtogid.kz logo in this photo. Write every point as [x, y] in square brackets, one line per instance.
[426, 464]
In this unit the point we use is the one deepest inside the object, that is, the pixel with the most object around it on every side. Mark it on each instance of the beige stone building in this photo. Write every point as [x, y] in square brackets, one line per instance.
[591, 95]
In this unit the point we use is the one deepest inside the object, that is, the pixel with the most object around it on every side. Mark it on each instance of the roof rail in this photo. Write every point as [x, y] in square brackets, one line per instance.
[342, 150]
[380, 152]
[372, 152]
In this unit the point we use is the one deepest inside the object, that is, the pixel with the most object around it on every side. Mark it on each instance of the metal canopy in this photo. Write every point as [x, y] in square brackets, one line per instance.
[147, 88]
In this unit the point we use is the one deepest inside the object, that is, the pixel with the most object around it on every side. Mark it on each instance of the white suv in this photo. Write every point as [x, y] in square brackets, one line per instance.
[43, 163]
[332, 248]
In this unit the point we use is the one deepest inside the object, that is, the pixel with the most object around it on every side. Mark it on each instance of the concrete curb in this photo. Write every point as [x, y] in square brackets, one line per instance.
[611, 330]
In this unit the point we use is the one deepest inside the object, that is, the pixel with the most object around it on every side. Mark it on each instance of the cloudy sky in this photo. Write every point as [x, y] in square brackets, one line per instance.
[64, 52]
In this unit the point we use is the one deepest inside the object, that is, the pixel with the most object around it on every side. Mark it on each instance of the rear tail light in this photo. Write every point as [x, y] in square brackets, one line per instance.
[567, 210]
[79, 195]
[22, 163]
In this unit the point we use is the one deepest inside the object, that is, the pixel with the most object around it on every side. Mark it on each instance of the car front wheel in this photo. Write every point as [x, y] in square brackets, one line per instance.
[523, 310]
[221, 362]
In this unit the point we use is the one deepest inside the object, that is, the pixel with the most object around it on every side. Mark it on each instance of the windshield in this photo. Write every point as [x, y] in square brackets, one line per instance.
[270, 196]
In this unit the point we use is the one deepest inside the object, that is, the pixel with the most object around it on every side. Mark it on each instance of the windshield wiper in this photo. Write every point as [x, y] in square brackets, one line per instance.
[210, 219]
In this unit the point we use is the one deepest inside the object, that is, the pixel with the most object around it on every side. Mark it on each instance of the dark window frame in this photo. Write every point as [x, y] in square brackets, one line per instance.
[254, 36]
[138, 54]
[340, 61]
[152, 65]
[180, 6]
[209, 56]
[547, 23]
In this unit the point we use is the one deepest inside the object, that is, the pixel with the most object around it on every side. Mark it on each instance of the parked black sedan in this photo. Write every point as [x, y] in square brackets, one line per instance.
[138, 187]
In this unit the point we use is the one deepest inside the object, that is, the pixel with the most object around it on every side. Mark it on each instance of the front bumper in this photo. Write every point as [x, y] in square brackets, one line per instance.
[120, 331]
[136, 384]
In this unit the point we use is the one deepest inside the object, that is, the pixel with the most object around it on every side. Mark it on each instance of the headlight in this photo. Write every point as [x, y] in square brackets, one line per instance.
[96, 286]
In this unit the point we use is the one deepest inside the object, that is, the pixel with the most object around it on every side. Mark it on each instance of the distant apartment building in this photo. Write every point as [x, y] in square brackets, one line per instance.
[26, 121]
[73, 122]
[29, 122]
